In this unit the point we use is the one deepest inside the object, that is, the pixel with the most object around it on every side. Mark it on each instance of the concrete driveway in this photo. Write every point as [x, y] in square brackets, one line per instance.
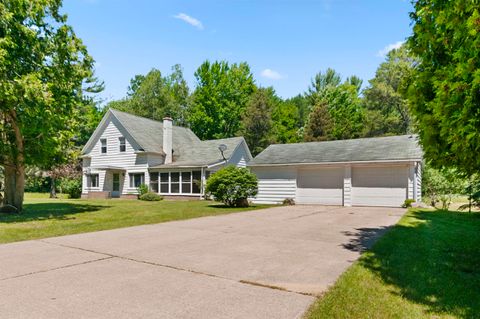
[261, 264]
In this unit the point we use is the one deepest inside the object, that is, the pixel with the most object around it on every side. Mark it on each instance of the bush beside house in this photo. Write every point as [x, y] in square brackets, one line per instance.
[232, 186]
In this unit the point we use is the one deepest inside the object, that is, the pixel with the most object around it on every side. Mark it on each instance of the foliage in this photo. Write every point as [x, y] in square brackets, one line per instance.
[142, 189]
[441, 185]
[71, 186]
[155, 96]
[42, 82]
[151, 197]
[341, 101]
[385, 98]
[232, 185]
[408, 203]
[288, 202]
[445, 99]
[473, 191]
[220, 99]
[319, 126]
[257, 121]
[288, 120]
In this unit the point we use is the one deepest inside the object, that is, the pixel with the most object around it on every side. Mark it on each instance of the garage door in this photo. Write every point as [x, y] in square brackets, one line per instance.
[379, 186]
[320, 186]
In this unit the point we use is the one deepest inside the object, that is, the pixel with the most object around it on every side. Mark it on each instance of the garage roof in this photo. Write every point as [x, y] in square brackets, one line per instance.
[390, 148]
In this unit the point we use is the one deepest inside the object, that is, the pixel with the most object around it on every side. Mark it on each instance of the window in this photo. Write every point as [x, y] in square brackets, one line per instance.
[103, 143]
[122, 144]
[196, 182]
[180, 182]
[136, 179]
[154, 182]
[164, 182]
[93, 180]
[186, 182]
[175, 182]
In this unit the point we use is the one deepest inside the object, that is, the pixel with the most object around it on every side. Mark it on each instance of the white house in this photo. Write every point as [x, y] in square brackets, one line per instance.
[126, 151]
[381, 171]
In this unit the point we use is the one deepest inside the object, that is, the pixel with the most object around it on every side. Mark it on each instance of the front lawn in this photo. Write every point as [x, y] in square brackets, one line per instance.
[43, 217]
[427, 266]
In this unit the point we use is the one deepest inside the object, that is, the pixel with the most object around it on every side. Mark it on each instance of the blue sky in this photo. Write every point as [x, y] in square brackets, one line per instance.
[285, 42]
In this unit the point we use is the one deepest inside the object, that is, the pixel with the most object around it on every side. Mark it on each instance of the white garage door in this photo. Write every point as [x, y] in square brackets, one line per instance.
[379, 186]
[320, 186]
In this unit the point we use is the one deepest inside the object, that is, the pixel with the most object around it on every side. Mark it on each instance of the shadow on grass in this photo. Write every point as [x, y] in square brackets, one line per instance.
[363, 238]
[44, 211]
[219, 205]
[434, 260]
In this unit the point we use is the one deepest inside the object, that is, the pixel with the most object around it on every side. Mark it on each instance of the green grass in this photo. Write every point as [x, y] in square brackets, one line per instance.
[43, 217]
[427, 266]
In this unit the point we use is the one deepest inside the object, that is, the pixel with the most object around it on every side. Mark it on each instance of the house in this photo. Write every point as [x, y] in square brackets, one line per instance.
[382, 171]
[126, 151]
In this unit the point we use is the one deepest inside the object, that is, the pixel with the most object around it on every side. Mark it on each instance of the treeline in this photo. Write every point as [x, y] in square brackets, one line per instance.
[226, 101]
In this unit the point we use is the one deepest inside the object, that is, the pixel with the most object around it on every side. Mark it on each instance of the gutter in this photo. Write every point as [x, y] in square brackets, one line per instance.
[334, 163]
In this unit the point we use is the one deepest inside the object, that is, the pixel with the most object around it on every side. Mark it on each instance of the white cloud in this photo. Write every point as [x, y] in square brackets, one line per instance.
[383, 52]
[190, 20]
[271, 74]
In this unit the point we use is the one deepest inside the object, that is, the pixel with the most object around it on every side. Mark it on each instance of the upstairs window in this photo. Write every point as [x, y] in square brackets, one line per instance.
[103, 143]
[122, 144]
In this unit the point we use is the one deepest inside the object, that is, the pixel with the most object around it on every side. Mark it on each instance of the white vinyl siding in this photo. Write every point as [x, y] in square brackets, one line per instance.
[275, 184]
[129, 161]
[379, 185]
[320, 186]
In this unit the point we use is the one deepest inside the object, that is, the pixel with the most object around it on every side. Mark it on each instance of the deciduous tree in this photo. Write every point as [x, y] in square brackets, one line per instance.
[43, 68]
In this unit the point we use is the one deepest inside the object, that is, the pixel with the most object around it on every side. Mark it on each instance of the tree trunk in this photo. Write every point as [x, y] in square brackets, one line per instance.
[15, 174]
[14, 186]
[53, 192]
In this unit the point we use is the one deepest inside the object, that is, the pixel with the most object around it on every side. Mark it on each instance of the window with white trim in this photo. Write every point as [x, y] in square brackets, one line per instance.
[185, 182]
[103, 145]
[136, 179]
[93, 180]
[123, 146]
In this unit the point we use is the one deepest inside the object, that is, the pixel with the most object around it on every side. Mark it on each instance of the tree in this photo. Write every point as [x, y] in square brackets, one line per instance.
[342, 102]
[441, 185]
[220, 99]
[319, 126]
[385, 99]
[444, 95]
[257, 121]
[287, 122]
[41, 86]
[232, 186]
[155, 96]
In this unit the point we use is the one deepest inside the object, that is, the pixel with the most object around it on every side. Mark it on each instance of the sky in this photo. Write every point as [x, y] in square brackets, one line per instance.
[285, 42]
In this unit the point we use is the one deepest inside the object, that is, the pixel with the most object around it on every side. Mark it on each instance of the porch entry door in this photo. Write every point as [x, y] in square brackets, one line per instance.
[116, 185]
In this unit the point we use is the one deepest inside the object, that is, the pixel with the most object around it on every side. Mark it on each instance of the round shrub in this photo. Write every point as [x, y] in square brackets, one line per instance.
[232, 186]
[72, 187]
[151, 197]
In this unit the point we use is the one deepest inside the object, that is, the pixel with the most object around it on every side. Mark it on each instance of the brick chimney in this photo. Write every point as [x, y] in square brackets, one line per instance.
[167, 139]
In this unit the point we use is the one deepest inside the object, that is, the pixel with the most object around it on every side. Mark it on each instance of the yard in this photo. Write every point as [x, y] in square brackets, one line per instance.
[44, 217]
[427, 266]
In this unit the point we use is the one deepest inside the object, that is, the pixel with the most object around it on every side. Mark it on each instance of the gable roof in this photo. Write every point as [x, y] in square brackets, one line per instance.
[205, 153]
[390, 148]
[188, 149]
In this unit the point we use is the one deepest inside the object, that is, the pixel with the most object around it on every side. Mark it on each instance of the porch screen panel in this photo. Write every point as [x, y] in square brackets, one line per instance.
[175, 182]
[196, 182]
[186, 183]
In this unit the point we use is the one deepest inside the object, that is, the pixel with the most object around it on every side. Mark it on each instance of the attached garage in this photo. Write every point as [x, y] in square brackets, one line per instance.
[383, 171]
[379, 185]
[320, 186]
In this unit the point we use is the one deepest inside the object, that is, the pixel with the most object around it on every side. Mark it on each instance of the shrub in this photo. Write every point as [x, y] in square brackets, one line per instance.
[142, 190]
[440, 185]
[288, 201]
[151, 197]
[408, 203]
[232, 186]
[71, 186]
